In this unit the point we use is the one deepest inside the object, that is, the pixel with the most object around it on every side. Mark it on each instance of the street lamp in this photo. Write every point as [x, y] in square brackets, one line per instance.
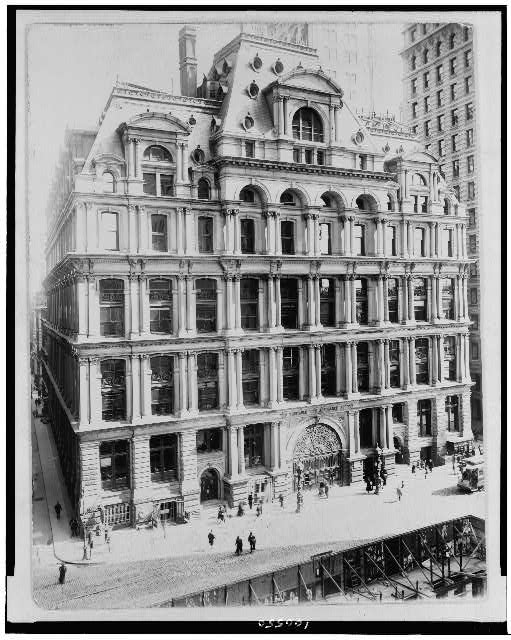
[299, 495]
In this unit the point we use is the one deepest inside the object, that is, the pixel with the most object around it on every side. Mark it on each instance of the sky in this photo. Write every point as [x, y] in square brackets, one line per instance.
[71, 69]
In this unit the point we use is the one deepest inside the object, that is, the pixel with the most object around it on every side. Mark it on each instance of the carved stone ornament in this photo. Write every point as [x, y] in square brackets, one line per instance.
[317, 440]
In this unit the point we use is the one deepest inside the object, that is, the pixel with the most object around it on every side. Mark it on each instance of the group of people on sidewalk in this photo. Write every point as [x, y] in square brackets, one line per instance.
[238, 543]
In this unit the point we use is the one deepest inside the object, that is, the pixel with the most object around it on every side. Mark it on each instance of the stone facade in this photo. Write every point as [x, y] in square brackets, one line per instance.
[243, 284]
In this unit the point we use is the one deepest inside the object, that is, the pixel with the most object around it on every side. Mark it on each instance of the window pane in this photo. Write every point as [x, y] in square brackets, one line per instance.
[149, 183]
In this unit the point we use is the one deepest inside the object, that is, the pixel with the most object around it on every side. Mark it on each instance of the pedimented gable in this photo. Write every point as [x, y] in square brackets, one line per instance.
[314, 79]
[159, 122]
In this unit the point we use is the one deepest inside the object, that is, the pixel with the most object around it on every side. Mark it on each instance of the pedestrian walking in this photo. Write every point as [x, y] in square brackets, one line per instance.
[211, 538]
[402, 484]
[430, 466]
[326, 491]
[58, 509]
[399, 493]
[220, 516]
[384, 475]
[281, 500]
[108, 540]
[250, 500]
[258, 511]
[62, 573]
[368, 486]
[413, 468]
[473, 451]
[239, 546]
[252, 541]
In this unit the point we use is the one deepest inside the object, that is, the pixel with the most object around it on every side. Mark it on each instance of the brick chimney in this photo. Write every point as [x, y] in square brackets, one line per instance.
[188, 61]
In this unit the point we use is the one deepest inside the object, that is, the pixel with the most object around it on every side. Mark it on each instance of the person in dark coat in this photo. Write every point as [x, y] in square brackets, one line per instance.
[326, 491]
[62, 573]
[239, 546]
[413, 468]
[58, 509]
[211, 538]
[252, 542]
[281, 500]
[250, 500]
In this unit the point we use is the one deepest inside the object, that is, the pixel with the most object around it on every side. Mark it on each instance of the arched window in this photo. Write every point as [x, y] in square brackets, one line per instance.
[452, 41]
[108, 182]
[307, 125]
[419, 180]
[288, 199]
[390, 203]
[447, 206]
[366, 203]
[247, 195]
[157, 154]
[203, 189]
[327, 200]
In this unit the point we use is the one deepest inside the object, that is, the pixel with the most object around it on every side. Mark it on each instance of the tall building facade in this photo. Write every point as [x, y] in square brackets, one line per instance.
[440, 106]
[247, 284]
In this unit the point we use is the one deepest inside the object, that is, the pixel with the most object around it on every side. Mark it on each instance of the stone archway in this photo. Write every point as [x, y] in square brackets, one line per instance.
[318, 449]
[209, 485]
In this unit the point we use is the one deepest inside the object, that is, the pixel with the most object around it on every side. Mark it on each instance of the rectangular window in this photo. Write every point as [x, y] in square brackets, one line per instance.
[420, 299]
[361, 301]
[413, 34]
[110, 231]
[415, 129]
[114, 464]
[249, 295]
[454, 142]
[327, 302]
[449, 371]
[426, 104]
[414, 86]
[288, 302]
[470, 164]
[426, 80]
[166, 185]
[394, 357]
[454, 117]
[205, 231]
[440, 123]
[391, 240]
[469, 111]
[362, 162]
[474, 350]
[448, 297]
[466, 34]
[287, 237]
[453, 91]
[456, 189]
[427, 128]
[159, 232]
[448, 245]
[253, 436]
[363, 366]
[247, 232]
[290, 372]
[475, 322]
[205, 305]
[397, 412]
[416, 204]
[441, 148]
[111, 307]
[393, 292]
[424, 204]
[471, 192]
[468, 58]
[250, 376]
[296, 155]
[249, 149]
[439, 98]
[359, 233]
[470, 137]
[424, 417]
[207, 381]
[113, 390]
[455, 168]
[473, 244]
[149, 183]
[473, 296]
[451, 410]
[320, 157]
[162, 385]
[468, 84]
[209, 440]
[439, 73]
[160, 306]
[309, 156]
[325, 245]
[471, 217]
[452, 66]
[420, 242]
[414, 109]
[328, 387]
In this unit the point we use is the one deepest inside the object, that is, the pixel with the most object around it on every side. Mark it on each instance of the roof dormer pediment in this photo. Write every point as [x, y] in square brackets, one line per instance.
[152, 121]
[308, 79]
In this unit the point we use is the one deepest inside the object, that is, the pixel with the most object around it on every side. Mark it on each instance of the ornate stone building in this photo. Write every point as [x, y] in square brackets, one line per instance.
[440, 105]
[247, 281]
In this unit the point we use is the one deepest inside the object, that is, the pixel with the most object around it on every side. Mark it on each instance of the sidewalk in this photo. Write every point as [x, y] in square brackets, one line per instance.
[348, 514]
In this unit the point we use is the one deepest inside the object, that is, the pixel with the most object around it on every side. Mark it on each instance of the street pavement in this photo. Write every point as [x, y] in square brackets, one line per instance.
[147, 567]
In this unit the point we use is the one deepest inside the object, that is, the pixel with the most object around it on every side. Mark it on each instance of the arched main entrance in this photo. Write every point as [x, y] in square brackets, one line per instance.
[319, 451]
[209, 485]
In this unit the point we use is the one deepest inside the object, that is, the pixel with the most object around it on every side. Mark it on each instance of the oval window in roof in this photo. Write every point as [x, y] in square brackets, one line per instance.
[249, 121]
[257, 63]
[279, 66]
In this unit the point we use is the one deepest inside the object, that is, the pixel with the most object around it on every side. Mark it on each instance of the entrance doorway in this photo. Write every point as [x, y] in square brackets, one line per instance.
[318, 451]
[426, 453]
[209, 485]
[399, 451]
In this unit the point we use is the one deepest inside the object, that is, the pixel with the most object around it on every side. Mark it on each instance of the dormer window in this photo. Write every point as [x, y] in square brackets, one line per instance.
[257, 63]
[108, 182]
[248, 122]
[158, 171]
[253, 90]
[278, 67]
[198, 155]
[307, 125]
[157, 154]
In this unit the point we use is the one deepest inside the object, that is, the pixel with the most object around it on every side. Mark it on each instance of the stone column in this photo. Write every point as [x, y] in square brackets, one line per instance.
[316, 235]
[233, 452]
[239, 378]
[93, 307]
[188, 468]
[458, 298]
[336, 121]
[301, 320]
[389, 431]
[278, 239]
[386, 299]
[135, 373]
[221, 380]
[272, 376]
[310, 300]
[192, 383]
[413, 380]
[84, 391]
[404, 237]
[348, 368]
[338, 302]
[179, 230]
[428, 300]
[95, 379]
[183, 385]
[82, 299]
[411, 310]
[317, 302]
[430, 361]
[405, 350]
[278, 312]
[230, 315]
[380, 288]
[352, 233]
[381, 365]
[347, 300]
[189, 234]
[280, 390]
[145, 385]
[270, 232]
[141, 464]
[260, 305]
[90, 472]
[439, 310]
[241, 451]
[465, 296]
[402, 292]
[237, 302]
[312, 372]
[356, 429]
[301, 374]
[231, 373]
[286, 117]
[237, 233]
[384, 235]
[338, 370]
[353, 300]
[181, 303]
[354, 366]
[271, 303]
[434, 361]
[176, 385]
[434, 298]
[387, 364]
[219, 305]
[262, 378]
[310, 234]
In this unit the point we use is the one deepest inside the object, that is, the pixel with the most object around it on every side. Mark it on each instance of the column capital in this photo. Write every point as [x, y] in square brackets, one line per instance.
[230, 211]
